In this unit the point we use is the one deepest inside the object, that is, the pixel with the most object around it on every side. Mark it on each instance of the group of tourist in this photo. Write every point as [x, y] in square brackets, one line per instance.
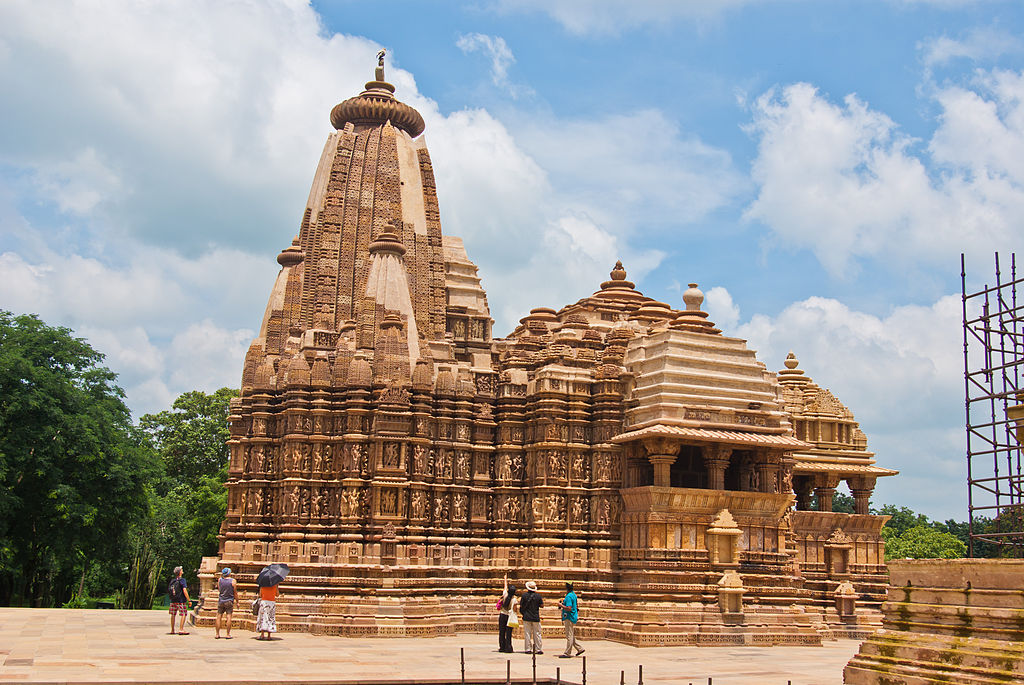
[264, 606]
[529, 607]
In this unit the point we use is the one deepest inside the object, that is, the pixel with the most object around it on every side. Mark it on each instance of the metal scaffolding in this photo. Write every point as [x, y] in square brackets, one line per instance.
[993, 324]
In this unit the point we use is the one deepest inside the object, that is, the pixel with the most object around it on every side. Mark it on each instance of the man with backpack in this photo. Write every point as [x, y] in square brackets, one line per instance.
[177, 589]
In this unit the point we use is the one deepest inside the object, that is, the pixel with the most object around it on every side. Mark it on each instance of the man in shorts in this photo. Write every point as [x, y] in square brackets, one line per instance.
[226, 595]
[178, 591]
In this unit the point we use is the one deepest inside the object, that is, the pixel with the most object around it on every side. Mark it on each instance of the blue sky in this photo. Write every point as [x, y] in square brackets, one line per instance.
[816, 166]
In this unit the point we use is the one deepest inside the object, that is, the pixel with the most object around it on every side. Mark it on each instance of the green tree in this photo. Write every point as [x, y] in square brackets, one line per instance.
[901, 519]
[190, 501]
[842, 503]
[192, 437]
[922, 542]
[72, 467]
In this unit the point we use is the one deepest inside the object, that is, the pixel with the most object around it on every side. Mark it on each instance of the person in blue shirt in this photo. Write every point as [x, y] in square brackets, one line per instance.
[570, 614]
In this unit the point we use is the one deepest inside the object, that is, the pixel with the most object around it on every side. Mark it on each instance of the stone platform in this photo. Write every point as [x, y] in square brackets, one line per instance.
[105, 646]
[947, 621]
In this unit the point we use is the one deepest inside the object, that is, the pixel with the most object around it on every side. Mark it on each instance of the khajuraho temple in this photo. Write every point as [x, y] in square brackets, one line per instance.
[402, 460]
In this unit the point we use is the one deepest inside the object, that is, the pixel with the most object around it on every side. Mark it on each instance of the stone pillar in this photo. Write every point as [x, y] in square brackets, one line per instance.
[662, 453]
[825, 489]
[804, 487]
[861, 489]
[767, 472]
[716, 459]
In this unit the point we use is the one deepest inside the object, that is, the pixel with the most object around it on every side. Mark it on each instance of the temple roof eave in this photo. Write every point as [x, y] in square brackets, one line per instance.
[841, 469]
[713, 436]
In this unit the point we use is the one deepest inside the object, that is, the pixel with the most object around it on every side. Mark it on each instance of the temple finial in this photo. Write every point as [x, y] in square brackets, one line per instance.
[378, 74]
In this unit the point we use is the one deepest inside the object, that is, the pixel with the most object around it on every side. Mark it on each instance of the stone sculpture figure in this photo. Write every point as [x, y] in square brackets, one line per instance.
[293, 502]
[578, 470]
[388, 502]
[458, 507]
[578, 510]
[419, 504]
[514, 509]
[419, 459]
[462, 465]
[391, 457]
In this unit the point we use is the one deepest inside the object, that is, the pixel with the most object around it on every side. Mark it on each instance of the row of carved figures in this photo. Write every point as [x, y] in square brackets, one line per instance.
[309, 503]
[325, 459]
[443, 428]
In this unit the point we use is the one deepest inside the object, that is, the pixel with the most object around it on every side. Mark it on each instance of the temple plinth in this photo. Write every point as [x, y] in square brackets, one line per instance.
[401, 460]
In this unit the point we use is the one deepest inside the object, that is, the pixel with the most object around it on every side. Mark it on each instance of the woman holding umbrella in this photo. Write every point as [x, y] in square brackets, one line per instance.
[268, 581]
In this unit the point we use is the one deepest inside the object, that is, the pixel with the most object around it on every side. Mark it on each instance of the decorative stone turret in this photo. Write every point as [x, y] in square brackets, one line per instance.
[723, 536]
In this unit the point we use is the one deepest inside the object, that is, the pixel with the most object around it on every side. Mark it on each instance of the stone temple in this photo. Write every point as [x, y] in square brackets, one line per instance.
[401, 459]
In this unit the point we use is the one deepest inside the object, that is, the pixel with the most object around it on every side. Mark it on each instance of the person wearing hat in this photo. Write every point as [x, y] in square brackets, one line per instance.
[225, 601]
[530, 606]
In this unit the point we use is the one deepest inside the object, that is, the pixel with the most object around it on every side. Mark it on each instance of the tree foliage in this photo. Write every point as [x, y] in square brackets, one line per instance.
[922, 542]
[191, 438]
[72, 466]
[189, 502]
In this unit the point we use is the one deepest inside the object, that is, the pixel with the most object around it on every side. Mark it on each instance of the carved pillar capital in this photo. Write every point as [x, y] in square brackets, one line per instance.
[716, 459]
[662, 453]
[861, 487]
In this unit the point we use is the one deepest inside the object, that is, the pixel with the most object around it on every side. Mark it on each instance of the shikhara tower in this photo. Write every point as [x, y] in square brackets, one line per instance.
[401, 460]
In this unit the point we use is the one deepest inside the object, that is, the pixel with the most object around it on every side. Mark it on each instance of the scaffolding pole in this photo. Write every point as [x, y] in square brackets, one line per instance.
[993, 330]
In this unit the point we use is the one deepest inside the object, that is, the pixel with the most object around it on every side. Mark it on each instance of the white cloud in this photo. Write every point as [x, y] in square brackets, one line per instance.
[206, 357]
[192, 140]
[900, 372]
[151, 315]
[979, 43]
[498, 51]
[672, 179]
[843, 180]
[721, 309]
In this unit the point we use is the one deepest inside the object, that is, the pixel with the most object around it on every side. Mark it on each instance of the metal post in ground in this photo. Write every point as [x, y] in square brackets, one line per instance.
[534, 667]
[584, 670]
[558, 675]
[622, 678]
[462, 663]
[508, 672]
[640, 675]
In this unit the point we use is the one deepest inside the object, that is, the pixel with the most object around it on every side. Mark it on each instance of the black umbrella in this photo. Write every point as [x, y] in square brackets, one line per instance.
[272, 575]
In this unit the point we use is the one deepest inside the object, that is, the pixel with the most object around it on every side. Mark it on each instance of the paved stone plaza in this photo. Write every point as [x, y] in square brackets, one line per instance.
[56, 645]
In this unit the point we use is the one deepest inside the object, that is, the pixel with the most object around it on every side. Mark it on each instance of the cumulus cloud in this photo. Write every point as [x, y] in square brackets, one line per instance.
[845, 182]
[721, 308]
[899, 371]
[181, 165]
[633, 165]
[138, 313]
